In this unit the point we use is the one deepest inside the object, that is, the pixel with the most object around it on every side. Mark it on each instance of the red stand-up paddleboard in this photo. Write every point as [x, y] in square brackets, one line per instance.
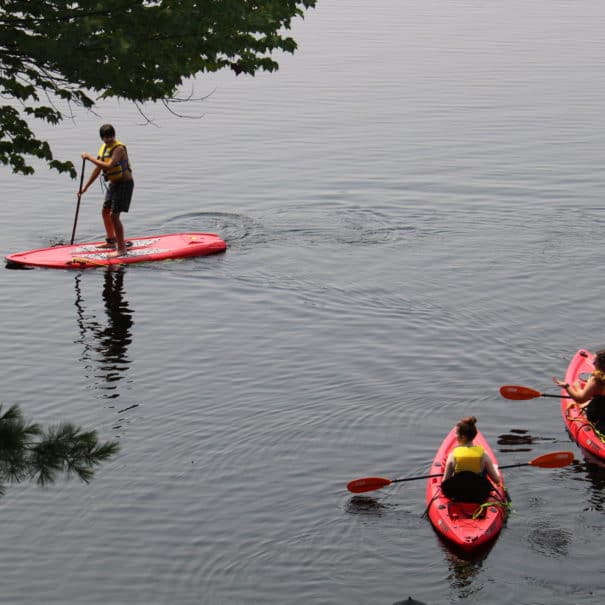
[467, 525]
[141, 249]
[580, 429]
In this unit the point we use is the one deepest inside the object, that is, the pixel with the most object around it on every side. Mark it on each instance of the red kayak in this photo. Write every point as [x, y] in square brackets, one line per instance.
[466, 524]
[579, 428]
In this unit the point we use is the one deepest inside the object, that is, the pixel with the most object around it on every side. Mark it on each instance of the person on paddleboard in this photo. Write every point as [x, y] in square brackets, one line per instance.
[591, 397]
[468, 466]
[112, 161]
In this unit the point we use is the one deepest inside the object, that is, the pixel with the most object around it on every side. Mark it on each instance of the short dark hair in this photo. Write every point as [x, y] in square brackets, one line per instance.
[107, 130]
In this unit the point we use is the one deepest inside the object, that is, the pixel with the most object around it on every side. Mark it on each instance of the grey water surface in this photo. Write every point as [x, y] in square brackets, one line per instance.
[413, 208]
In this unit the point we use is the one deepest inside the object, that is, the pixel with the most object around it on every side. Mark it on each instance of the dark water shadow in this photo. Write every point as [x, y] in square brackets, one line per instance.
[520, 440]
[464, 566]
[548, 539]
[105, 343]
[592, 471]
[17, 266]
[366, 505]
[410, 601]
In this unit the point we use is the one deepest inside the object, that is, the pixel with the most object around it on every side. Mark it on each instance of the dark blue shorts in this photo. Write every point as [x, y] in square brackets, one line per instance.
[118, 196]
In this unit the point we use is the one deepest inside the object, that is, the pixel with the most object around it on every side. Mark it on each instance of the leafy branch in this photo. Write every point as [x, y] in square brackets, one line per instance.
[28, 452]
[57, 54]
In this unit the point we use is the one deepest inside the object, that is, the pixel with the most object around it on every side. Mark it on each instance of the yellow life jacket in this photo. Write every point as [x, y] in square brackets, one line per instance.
[115, 173]
[468, 458]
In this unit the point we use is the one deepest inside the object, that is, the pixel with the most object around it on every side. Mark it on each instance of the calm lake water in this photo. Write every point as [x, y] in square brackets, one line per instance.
[413, 207]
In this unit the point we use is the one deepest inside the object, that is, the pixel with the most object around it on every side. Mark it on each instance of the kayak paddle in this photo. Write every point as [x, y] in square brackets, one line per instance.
[515, 391]
[368, 484]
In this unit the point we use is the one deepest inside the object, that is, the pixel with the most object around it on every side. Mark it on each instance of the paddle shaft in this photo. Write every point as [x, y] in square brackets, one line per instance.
[441, 474]
[73, 232]
[550, 460]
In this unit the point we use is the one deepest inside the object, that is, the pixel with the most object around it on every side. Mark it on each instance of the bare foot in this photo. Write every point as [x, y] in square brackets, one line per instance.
[107, 244]
[117, 254]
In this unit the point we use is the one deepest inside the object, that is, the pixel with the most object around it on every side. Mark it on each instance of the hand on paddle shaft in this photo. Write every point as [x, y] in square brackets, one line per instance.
[519, 393]
[552, 460]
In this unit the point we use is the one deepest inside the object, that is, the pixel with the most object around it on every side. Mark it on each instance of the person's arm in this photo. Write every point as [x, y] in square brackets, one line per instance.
[91, 179]
[450, 466]
[577, 393]
[116, 157]
[491, 469]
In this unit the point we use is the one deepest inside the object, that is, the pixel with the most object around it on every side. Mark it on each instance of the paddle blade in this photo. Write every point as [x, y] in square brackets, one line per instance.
[553, 460]
[514, 391]
[367, 484]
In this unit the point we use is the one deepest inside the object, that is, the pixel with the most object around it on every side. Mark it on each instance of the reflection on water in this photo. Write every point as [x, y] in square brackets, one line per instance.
[464, 568]
[105, 344]
[593, 471]
[549, 539]
[410, 601]
[517, 438]
[29, 452]
[366, 505]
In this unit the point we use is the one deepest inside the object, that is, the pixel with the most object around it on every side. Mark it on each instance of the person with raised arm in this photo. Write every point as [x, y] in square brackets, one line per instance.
[591, 397]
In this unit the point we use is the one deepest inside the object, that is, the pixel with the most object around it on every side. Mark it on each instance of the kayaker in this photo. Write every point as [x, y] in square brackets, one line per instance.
[591, 397]
[468, 466]
[112, 160]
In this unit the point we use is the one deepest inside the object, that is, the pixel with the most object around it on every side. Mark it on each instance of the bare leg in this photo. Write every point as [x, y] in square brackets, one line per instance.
[118, 229]
[108, 222]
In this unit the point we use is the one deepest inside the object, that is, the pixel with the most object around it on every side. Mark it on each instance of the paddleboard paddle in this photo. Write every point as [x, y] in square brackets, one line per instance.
[73, 232]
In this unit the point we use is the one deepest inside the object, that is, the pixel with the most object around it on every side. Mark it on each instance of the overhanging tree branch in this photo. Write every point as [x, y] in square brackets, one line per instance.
[133, 50]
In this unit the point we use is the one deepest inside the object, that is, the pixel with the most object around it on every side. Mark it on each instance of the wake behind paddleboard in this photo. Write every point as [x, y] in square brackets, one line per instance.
[143, 249]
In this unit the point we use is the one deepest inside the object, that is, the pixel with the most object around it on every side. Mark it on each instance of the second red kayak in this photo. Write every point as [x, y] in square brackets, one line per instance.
[466, 524]
[579, 428]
